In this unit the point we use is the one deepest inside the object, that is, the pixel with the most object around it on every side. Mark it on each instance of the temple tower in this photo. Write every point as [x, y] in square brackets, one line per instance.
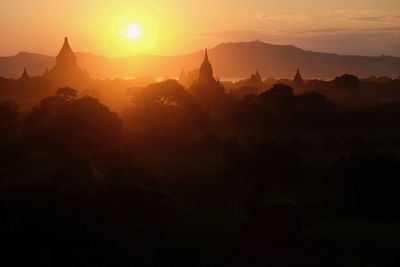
[206, 71]
[24, 76]
[66, 72]
[298, 82]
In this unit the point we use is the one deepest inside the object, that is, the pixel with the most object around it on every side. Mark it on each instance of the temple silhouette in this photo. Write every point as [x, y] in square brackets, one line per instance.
[66, 72]
[256, 78]
[206, 71]
[207, 90]
[24, 76]
[298, 82]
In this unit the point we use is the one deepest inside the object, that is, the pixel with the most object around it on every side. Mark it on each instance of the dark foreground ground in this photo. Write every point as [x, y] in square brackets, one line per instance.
[188, 207]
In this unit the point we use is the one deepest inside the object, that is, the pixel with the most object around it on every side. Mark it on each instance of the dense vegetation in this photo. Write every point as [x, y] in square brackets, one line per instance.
[169, 182]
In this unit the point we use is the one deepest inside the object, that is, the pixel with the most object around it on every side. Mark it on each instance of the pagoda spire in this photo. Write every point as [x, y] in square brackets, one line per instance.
[206, 71]
[66, 44]
[206, 55]
[298, 82]
[66, 72]
[66, 55]
[298, 75]
[25, 75]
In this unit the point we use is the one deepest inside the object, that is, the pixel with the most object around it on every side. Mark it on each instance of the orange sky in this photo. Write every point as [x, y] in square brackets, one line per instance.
[177, 27]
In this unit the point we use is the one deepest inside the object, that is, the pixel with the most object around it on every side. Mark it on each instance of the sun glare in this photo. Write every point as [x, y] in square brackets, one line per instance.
[133, 31]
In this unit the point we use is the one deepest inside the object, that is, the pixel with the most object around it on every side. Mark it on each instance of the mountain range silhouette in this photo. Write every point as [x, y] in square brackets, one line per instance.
[230, 60]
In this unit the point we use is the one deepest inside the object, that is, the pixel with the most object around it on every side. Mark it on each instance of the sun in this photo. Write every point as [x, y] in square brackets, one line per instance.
[132, 32]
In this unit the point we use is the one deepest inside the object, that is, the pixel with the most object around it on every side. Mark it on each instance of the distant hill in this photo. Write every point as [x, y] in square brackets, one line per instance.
[230, 60]
[35, 63]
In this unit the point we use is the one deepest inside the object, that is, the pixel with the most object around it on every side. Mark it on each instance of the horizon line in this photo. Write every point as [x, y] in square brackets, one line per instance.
[201, 51]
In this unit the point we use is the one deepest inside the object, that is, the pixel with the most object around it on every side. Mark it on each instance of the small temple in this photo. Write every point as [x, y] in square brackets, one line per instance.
[256, 78]
[298, 82]
[66, 72]
[207, 90]
[206, 71]
[24, 76]
[255, 81]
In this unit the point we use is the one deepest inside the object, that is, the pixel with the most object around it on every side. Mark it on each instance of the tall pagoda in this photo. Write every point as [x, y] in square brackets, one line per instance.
[66, 72]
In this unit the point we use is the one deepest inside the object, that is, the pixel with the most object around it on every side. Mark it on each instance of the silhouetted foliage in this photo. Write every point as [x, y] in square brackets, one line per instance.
[72, 221]
[164, 107]
[346, 82]
[67, 93]
[30, 88]
[313, 109]
[8, 118]
[367, 184]
[268, 162]
[277, 105]
[382, 117]
[65, 123]
[279, 95]
[273, 236]
[174, 185]
[280, 108]
[11, 152]
[244, 91]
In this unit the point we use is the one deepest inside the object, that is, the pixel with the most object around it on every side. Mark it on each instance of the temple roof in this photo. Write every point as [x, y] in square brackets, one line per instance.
[206, 55]
[206, 71]
[66, 47]
[66, 72]
[298, 80]
[298, 75]
[66, 54]
[25, 75]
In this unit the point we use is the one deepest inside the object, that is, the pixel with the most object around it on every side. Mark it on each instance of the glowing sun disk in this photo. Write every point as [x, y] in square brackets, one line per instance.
[132, 32]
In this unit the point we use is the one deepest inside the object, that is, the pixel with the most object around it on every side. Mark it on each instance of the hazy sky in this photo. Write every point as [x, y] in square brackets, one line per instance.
[370, 27]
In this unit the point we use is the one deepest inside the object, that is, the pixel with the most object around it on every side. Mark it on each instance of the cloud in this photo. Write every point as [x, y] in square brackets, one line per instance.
[343, 30]
[282, 17]
[376, 18]
[381, 29]
[373, 16]
[326, 30]
[235, 34]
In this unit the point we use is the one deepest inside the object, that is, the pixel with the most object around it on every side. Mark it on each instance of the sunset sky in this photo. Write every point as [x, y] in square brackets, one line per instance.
[170, 27]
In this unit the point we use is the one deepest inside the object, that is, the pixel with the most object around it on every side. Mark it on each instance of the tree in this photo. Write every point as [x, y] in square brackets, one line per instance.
[10, 147]
[313, 109]
[277, 105]
[210, 95]
[67, 93]
[165, 106]
[268, 162]
[8, 118]
[245, 91]
[65, 123]
[346, 82]
[367, 184]
[279, 95]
